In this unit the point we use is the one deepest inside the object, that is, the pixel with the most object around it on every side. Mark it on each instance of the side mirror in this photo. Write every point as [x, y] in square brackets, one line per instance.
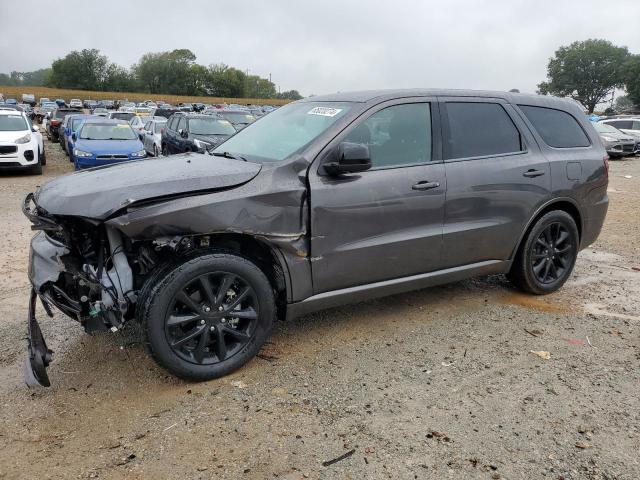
[183, 133]
[73, 137]
[35, 129]
[141, 135]
[351, 158]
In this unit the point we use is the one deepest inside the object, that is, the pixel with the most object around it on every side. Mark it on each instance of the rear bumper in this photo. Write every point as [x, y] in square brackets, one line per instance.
[596, 212]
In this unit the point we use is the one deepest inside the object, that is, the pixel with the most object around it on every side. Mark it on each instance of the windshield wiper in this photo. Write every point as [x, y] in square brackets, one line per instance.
[228, 155]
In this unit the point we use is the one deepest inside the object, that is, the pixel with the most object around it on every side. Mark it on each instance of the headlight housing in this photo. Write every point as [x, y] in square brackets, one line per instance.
[608, 139]
[201, 144]
[140, 153]
[25, 139]
[82, 153]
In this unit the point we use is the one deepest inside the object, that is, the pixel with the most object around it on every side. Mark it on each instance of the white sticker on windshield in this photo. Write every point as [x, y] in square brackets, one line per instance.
[324, 111]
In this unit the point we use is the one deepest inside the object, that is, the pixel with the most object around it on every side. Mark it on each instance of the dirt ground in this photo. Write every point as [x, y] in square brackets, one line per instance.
[438, 383]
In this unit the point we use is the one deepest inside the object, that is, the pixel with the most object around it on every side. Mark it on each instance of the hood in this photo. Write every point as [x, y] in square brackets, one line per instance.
[213, 139]
[109, 147]
[99, 192]
[11, 137]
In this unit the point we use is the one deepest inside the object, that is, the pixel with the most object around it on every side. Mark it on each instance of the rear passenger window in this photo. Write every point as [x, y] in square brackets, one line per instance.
[396, 136]
[480, 129]
[557, 128]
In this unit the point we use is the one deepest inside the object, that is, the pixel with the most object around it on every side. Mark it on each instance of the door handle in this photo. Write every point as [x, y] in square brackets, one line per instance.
[425, 185]
[531, 173]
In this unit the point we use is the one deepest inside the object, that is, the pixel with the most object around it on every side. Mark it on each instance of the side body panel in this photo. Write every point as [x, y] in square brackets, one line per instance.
[489, 200]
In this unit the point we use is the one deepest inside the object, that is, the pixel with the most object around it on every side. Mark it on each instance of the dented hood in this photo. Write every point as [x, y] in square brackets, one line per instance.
[99, 192]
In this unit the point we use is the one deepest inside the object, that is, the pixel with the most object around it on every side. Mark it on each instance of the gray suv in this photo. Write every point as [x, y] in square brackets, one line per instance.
[325, 201]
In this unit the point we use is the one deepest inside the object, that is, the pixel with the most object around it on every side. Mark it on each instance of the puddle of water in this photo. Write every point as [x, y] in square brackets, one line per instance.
[532, 302]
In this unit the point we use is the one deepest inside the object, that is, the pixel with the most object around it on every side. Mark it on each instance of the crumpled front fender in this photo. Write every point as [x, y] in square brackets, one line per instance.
[45, 264]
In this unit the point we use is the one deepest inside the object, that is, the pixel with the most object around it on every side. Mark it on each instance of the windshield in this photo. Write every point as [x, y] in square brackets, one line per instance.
[285, 131]
[75, 123]
[238, 117]
[210, 126]
[107, 131]
[12, 123]
[604, 128]
[123, 115]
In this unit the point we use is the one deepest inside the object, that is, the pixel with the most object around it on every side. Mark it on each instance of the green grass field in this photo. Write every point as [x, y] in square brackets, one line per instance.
[53, 93]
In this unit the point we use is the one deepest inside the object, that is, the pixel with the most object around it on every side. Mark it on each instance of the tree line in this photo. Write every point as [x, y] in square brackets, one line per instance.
[590, 71]
[175, 72]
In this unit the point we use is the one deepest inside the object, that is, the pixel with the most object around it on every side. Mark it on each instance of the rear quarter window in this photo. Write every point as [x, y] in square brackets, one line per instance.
[558, 129]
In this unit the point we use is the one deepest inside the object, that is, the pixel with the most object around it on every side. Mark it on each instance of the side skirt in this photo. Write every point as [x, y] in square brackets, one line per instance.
[361, 293]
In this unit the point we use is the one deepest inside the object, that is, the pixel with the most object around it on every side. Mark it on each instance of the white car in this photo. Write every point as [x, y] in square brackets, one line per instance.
[21, 143]
[628, 125]
[75, 103]
[152, 135]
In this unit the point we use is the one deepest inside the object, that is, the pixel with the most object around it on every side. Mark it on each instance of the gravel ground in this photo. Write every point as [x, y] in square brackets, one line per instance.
[438, 383]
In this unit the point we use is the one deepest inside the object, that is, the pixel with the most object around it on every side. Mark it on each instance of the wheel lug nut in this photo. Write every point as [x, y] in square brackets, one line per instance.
[223, 320]
[201, 322]
[212, 328]
[206, 308]
[220, 308]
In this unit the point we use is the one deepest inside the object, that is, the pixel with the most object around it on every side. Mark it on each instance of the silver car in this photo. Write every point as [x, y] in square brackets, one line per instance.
[152, 134]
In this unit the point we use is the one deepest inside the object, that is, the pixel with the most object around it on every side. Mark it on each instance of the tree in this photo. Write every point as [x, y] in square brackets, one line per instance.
[586, 71]
[631, 77]
[622, 104]
[290, 95]
[85, 70]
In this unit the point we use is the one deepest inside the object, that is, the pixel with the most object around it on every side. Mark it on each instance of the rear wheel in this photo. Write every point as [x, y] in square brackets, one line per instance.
[165, 150]
[207, 316]
[155, 150]
[547, 257]
[43, 157]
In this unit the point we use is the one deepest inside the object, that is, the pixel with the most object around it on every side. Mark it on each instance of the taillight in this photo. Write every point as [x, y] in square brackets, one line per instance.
[605, 159]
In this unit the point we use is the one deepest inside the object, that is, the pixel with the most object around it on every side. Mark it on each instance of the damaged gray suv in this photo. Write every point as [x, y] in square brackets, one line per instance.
[325, 201]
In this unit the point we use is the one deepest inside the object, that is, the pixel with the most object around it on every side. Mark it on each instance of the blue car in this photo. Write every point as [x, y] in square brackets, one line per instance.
[71, 125]
[105, 142]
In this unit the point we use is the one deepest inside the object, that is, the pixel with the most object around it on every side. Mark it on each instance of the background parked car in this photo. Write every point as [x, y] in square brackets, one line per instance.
[238, 118]
[121, 115]
[72, 124]
[75, 103]
[616, 143]
[60, 102]
[29, 98]
[56, 119]
[105, 142]
[194, 133]
[20, 145]
[628, 125]
[100, 111]
[152, 135]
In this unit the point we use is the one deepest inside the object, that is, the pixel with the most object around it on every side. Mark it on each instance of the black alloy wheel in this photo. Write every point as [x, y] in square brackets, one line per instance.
[546, 257]
[207, 315]
[211, 318]
[552, 253]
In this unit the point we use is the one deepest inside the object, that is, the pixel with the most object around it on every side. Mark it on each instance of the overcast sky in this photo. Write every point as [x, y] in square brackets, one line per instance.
[323, 46]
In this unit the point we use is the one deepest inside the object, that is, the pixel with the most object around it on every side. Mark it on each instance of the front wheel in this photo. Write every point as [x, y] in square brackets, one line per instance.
[547, 257]
[165, 150]
[207, 316]
[155, 150]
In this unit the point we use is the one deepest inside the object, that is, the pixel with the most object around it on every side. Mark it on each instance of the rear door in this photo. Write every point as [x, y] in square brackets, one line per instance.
[386, 222]
[496, 178]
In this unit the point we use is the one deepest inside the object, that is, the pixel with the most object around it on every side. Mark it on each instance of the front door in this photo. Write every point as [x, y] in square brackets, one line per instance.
[386, 222]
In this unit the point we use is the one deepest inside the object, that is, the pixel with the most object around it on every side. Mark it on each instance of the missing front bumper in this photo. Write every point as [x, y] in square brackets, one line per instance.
[39, 356]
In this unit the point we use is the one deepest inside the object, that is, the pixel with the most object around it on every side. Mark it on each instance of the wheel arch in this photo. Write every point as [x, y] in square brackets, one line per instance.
[266, 256]
[565, 204]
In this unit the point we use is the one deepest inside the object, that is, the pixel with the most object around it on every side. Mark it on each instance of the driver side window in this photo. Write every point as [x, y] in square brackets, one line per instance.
[397, 136]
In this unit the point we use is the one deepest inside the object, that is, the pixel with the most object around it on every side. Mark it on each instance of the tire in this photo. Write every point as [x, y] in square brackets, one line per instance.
[187, 333]
[155, 150]
[554, 241]
[43, 157]
[165, 150]
[36, 169]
